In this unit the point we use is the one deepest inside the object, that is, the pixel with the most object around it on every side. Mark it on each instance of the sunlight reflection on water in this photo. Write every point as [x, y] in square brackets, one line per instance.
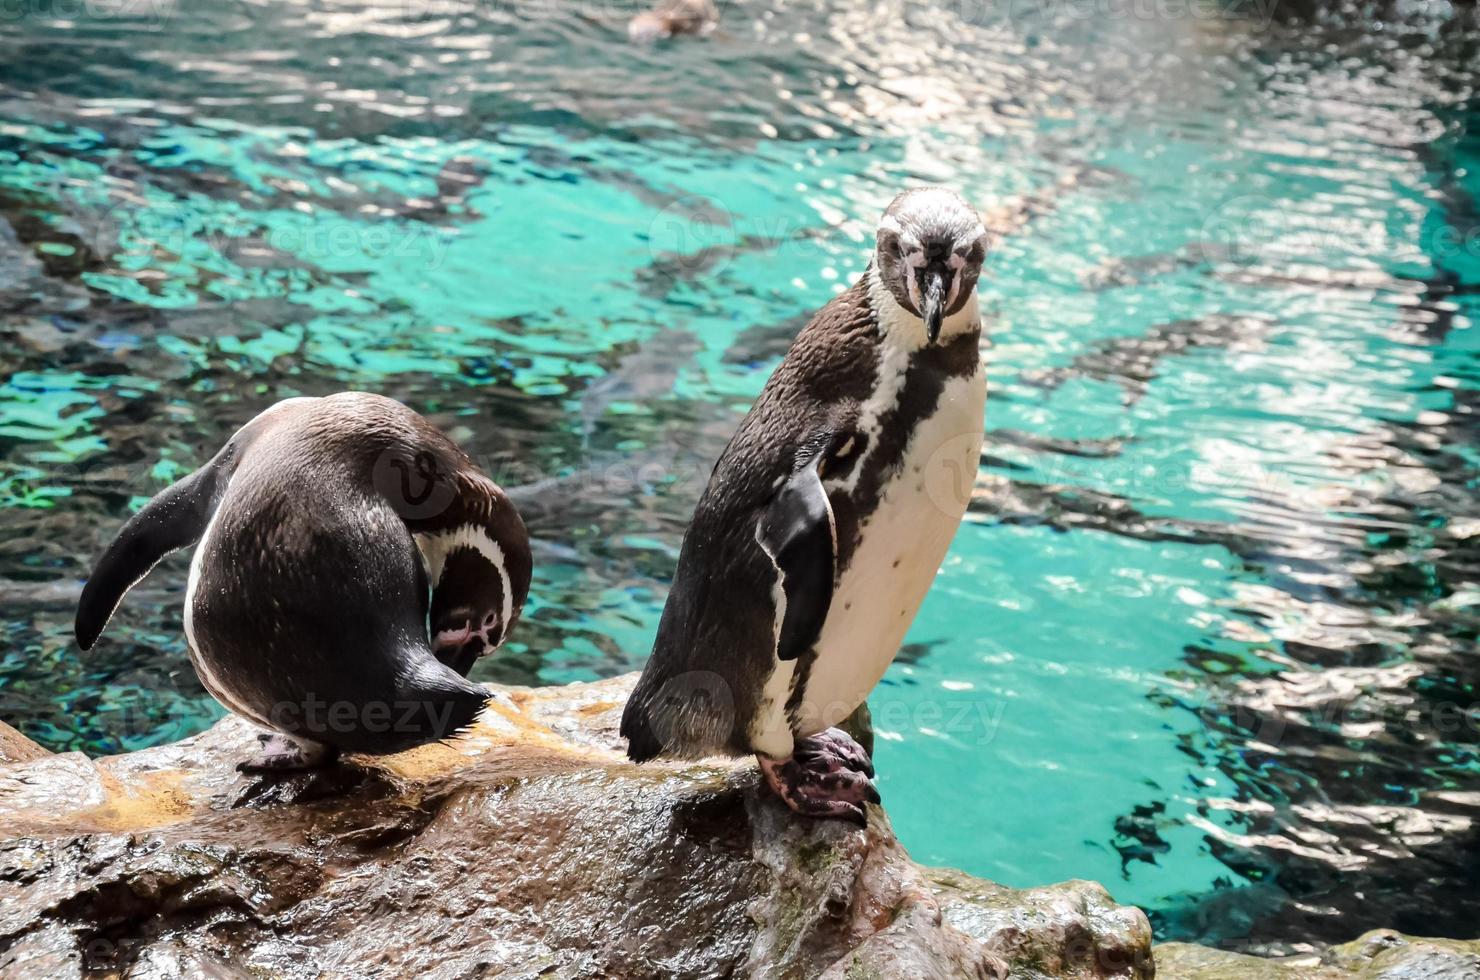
[1208, 634]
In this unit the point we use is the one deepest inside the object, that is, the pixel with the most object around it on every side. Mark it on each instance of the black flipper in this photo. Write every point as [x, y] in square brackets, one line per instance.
[799, 534]
[174, 519]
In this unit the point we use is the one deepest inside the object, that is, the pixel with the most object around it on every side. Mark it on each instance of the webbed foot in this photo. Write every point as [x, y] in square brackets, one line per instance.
[282, 753]
[828, 775]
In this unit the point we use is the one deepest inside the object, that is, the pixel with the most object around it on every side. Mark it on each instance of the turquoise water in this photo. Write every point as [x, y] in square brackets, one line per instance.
[1208, 635]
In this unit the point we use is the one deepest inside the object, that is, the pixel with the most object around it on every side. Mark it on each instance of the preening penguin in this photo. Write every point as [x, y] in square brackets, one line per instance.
[826, 519]
[353, 564]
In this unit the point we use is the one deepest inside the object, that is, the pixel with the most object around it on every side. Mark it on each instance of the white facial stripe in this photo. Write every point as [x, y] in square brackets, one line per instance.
[908, 243]
[436, 547]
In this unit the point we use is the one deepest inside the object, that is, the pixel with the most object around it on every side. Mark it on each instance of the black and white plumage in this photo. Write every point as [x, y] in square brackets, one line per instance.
[352, 565]
[828, 514]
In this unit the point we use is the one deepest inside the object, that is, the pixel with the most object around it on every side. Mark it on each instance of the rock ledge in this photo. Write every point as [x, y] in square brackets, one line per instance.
[530, 848]
[1378, 955]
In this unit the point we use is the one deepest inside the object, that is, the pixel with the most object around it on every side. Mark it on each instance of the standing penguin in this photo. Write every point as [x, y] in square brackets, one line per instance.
[353, 564]
[825, 520]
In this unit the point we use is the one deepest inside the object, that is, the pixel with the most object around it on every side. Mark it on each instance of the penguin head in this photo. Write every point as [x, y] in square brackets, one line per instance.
[466, 619]
[930, 249]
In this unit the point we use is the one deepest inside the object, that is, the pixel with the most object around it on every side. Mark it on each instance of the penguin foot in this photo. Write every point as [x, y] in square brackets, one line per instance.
[281, 753]
[828, 775]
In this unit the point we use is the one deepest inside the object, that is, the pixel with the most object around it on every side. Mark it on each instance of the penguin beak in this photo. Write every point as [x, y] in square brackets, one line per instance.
[933, 310]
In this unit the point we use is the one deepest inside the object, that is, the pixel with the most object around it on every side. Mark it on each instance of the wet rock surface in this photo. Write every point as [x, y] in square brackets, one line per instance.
[1378, 955]
[529, 848]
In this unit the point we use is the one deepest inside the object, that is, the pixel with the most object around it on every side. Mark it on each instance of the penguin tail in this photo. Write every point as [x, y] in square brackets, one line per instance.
[451, 710]
[642, 743]
[176, 518]
[431, 703]
[464, 708]
[687, 715]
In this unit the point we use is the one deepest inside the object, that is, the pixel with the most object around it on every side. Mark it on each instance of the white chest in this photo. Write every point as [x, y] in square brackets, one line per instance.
[899, 552]
[901, 546]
